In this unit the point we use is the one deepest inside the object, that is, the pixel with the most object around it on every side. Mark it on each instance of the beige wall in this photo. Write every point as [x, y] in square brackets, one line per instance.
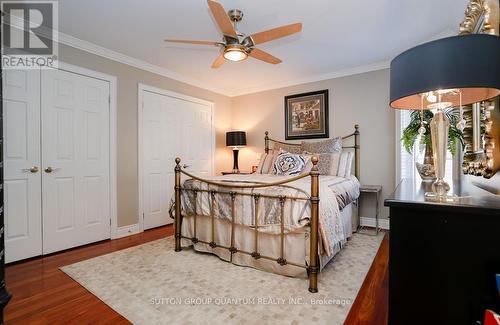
[127, 81]
[359, 99]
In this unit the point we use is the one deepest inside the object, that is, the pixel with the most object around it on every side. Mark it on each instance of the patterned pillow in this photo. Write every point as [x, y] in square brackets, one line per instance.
[289, 164]
[287, 147]
[325, 146]
[328, 163]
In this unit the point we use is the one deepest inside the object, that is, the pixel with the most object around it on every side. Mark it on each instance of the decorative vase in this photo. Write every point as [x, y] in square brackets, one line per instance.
[426, 169]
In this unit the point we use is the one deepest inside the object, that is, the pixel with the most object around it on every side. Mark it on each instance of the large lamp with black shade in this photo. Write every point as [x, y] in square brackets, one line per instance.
[448, 72]
[236, 140]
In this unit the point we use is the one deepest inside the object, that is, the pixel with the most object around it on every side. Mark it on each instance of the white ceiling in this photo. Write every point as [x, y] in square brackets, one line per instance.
[338, 37]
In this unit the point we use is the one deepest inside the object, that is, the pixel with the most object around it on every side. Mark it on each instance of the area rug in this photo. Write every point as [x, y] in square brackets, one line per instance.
[151, 284]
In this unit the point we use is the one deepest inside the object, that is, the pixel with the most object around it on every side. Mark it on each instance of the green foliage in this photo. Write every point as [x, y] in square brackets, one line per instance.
[410, 133]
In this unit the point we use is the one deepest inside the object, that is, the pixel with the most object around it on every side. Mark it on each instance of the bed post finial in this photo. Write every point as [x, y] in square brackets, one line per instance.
[266, 142]
[314, 160]
[313, 259]
[177, 203]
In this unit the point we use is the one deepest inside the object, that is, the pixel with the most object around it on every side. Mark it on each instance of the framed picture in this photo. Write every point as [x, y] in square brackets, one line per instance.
[306, 115]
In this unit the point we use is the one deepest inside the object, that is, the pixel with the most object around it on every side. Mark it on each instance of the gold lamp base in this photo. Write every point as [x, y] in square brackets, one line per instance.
[440, 193]
[442, 198]
[439, 136]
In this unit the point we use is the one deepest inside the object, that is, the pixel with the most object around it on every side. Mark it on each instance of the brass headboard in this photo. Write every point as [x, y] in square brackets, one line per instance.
[355, 147]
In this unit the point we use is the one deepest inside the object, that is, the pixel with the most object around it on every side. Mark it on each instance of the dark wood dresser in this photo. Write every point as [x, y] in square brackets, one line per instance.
[443, 257]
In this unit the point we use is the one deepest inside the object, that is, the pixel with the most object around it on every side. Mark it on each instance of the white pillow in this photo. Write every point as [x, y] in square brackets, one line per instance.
[273, 155]
[348, 169]
[265, 163]
[343, 164]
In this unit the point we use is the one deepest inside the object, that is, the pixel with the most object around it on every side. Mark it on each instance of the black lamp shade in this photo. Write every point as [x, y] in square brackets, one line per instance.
[470, 63]
[236, 139]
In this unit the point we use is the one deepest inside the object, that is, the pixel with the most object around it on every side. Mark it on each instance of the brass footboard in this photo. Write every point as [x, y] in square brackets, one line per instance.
[312, 268]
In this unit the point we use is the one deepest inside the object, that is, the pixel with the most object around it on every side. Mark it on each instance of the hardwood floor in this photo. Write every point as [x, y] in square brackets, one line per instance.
[42, 294]
[371, 304]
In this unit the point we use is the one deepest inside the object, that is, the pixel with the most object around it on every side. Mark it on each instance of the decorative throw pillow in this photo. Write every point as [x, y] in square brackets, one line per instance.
[328, 163]
[325, 146]
[296, 149]
[289, 164]
[265, 163]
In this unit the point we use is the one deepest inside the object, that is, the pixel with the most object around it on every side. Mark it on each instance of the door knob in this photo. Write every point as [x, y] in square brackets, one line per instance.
[51, 169]
[32, 169]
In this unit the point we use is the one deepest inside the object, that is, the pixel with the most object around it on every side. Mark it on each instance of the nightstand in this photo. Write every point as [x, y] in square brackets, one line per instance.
[233, 173]
[376, 190]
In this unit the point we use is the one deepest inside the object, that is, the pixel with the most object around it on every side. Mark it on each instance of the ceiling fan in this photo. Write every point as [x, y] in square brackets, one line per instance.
[235, 45]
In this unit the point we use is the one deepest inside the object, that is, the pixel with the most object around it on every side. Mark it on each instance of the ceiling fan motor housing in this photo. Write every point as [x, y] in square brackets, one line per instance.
[235, 15]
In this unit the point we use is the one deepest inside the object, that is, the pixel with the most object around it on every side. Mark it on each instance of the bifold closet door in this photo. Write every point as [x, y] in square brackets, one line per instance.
[171, 127]
[75, 160]
[22, 167]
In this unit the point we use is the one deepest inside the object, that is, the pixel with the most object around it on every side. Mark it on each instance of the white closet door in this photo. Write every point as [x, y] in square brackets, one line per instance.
[75, 160]
[22, 172]
[171, 127]
[196, 142]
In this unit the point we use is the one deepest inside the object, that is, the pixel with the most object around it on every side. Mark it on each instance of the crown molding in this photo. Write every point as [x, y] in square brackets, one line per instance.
[331, 75]
[137, 63]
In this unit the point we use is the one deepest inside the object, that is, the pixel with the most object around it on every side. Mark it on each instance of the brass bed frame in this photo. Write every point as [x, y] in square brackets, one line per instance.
[313, 267]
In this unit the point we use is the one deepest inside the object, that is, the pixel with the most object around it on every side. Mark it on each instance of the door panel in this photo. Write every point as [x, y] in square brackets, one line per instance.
[171, 127]
[21, 127]
[155, 163]
[75, 142]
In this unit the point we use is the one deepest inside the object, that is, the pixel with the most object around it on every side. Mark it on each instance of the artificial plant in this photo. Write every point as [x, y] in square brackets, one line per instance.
[410, 133]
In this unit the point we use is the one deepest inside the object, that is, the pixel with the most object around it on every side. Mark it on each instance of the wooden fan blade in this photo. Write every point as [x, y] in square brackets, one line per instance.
[185, 41]
[275, 33]
[221, 17]
[264, 56]
[218, 62]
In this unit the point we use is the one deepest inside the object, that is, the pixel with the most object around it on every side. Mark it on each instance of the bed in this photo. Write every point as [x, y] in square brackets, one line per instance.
[273, 223]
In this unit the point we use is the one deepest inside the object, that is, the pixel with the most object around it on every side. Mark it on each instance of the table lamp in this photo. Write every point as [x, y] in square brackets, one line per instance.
[236, 139]
[448, 72]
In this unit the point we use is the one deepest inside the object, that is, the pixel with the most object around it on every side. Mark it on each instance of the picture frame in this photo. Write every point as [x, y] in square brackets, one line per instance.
[306, 115]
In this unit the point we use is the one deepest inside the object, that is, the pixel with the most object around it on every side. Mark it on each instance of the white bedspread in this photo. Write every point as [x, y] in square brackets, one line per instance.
[296, 212]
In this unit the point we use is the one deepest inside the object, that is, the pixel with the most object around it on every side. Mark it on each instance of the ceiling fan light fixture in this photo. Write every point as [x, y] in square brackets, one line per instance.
[234, 53]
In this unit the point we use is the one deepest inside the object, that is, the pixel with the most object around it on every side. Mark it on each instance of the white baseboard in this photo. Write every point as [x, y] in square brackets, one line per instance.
[126, 231]
[370, 222]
